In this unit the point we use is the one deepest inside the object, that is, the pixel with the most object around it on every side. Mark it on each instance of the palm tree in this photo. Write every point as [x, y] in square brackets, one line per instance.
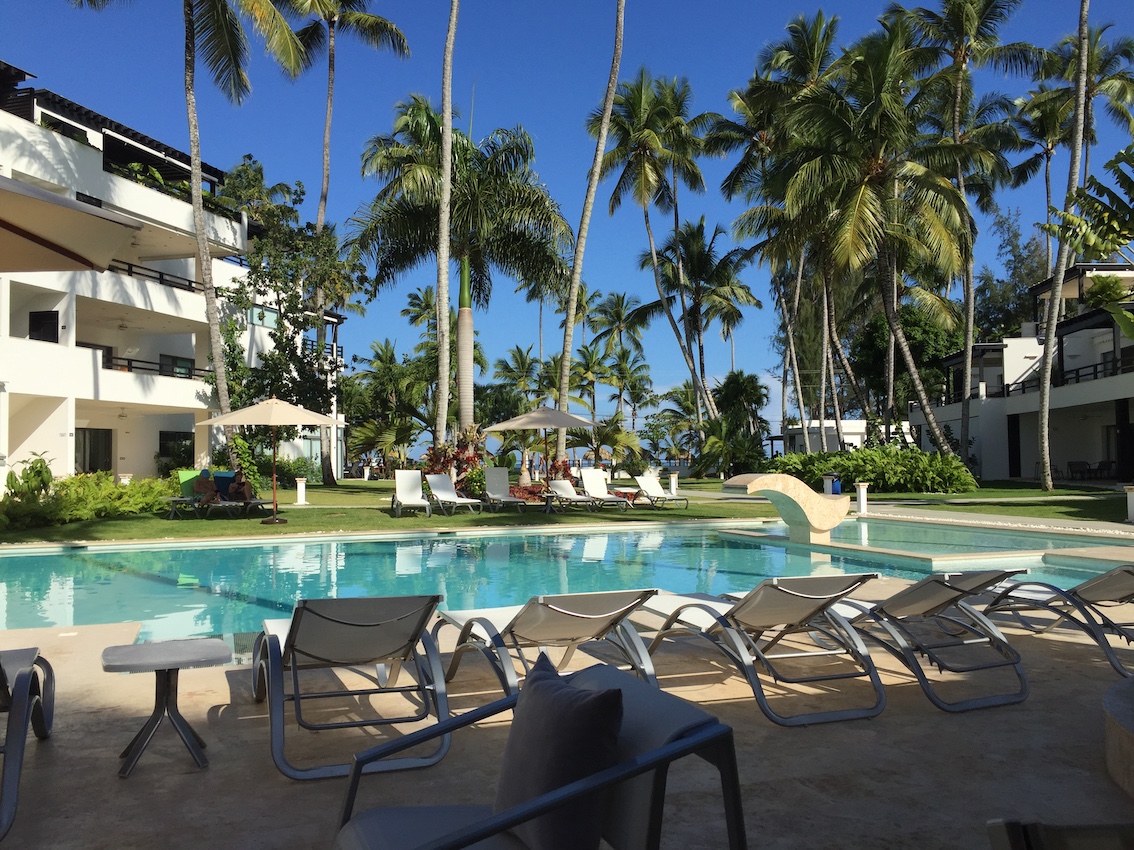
[540, 291]
[332, 17]
[1045, 124]
[1110, 75]
[421, 309]
[626, 369]
[613, 319]
[590, 370]
[586, 303]
[444, 199]
[740, 397]
[519, 371]
[1055, 298]
[501, 216]
[639, 125]
[585, 220]
[212, 27]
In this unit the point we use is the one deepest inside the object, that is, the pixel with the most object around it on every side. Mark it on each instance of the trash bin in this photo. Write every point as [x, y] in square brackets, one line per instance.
[831, 484]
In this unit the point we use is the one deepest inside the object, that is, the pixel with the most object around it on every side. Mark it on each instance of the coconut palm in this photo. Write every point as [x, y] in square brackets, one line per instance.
[614, 323]
[212, 28]
[640, 121]
[540, 291]
[586, 302]
[502, 217]
[421, 309]
[740, 397]
[593, 175]
[590, 370]
[1045, 124]
[519, 370]
[626, 369]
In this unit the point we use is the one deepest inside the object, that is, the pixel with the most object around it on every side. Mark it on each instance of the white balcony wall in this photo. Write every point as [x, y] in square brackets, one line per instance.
[40, 425]
[37, 154]
[1021, 357]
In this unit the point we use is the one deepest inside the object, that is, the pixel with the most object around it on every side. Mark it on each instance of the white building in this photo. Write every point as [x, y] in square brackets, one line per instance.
[104, 370]
[826, 439]
[1092, 385]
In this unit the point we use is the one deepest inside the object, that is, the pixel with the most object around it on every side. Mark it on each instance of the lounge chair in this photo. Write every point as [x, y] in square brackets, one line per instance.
[1082, 607]
[585, 788]
[445, 495]
[651, 488]
[930, 621]
[497, 490]
[594, 485]
[27, 695]
[566, 620]
[408, 493]
[327, 634]
[781, 619]
[1016, 835]
[563, 493]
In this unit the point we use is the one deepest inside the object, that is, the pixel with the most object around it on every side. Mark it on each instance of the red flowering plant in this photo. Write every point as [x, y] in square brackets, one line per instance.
[560, 469]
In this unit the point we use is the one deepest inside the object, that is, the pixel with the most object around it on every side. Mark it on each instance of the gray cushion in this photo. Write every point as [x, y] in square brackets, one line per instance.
[559, 734]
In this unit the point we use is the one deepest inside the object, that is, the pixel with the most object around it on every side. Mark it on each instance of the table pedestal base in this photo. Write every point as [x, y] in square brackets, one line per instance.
[165, 703]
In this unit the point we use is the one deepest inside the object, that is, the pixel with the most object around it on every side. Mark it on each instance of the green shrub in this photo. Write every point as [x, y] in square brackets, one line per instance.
[81, 497]
[474, 483]
[887, 469]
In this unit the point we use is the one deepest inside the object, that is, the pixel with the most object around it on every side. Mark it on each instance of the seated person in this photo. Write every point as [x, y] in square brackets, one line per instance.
[205, 489]
[240, 490]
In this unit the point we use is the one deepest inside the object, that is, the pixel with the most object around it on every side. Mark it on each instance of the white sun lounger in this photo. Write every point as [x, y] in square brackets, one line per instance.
[650, 487]
[447, 498]
[408, 493]
[594, 485]
[563, 492]
[497, 491]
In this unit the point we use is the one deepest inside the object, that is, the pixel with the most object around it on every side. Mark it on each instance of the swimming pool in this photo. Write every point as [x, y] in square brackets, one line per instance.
[209, 590]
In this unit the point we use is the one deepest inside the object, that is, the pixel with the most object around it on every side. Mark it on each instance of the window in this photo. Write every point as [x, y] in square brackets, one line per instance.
[43, 325]
[263, 316]
[177, 367]
[93, 450]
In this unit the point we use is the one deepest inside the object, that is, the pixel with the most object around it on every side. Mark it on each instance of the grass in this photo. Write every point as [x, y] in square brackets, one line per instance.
[364, 507]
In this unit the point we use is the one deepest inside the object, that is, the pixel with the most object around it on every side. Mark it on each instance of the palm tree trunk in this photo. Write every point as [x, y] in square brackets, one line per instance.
[968, 293]
[1047, 185]
[442, 397]
[835, 409]
[465, 339]
[204, 259]
[824, 353]
[847, 369]
[1056, 295]
[319, 292]
[585, 221]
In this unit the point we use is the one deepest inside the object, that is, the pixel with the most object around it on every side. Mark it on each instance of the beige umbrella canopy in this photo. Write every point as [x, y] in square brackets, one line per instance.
[42, 231]
[542, 418]
[273, 413]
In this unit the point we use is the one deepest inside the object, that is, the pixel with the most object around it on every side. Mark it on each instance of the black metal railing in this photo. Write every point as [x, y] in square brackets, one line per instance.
[130, 364]
[329, 349]
[164, 278]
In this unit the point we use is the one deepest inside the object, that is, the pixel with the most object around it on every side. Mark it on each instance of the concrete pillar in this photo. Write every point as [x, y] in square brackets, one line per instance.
[301, 491]
[1129, 503]
[860, 488]
[673, 484]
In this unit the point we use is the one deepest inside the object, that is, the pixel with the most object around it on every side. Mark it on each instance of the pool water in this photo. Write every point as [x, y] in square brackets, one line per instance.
[186, 592]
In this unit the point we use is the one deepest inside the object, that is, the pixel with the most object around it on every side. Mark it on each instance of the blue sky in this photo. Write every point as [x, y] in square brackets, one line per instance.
[541, 65]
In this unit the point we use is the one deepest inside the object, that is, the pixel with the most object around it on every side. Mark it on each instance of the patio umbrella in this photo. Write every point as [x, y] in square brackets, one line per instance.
[42, 231]
[542, 418]
[272, 413]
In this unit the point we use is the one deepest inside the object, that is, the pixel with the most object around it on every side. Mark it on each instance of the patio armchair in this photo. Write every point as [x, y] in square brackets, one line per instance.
[789, 619]
[382, 633]
[586, 760]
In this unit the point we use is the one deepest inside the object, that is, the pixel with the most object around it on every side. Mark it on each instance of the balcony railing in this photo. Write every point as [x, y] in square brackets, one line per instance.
[129, 364]
[164, 278]
[329, 349]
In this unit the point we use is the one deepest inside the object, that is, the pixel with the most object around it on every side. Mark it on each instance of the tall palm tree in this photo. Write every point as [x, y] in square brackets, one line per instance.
[444, 197]
[614, 323]
[642, 161]
[590, 370]
[331, 18]
[585, 219]
[1110, 76]
[585, 305]
[212, 27]
[540, 291]
[421, 309]
[1079, 127]
[966, 33]
[1043, 123]
[519, 370]
[740, 397]
[501, 216]
[626, 370]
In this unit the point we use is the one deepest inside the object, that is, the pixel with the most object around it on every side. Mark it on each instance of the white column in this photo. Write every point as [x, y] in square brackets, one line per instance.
[301, 491]
[673, 484]
[1129, 503]
[861, 486]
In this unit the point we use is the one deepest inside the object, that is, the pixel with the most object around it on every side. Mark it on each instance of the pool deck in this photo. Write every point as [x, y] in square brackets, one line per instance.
[912, 777]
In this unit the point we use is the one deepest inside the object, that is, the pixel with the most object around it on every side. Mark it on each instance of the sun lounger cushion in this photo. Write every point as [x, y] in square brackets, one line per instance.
[559, 734]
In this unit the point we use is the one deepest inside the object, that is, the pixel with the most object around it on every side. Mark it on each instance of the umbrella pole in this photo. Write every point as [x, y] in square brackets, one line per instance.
[274, 518]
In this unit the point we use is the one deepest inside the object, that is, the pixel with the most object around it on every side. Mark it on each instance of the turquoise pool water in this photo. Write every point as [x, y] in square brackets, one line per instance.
[183, 592]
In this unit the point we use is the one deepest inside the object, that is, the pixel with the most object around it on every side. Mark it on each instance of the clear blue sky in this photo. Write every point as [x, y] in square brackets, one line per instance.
[541, 65]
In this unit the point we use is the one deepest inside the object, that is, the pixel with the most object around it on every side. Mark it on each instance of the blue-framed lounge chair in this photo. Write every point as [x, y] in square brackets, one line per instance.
[1083, 607]
[497, 491]
[594, 485]
[790, 619]
[566, 620]
[382, 633]
[597, 784]
[408, 493]
[447, 498]
[27, 697]
[930, 624]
